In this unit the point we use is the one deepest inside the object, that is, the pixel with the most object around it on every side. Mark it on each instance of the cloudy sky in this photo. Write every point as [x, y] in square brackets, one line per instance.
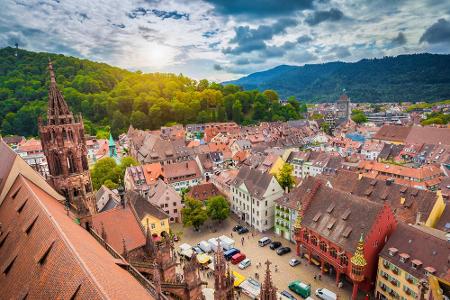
[225, 39]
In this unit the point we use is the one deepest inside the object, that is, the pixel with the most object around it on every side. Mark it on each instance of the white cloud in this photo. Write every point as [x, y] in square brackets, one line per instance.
[189, 36]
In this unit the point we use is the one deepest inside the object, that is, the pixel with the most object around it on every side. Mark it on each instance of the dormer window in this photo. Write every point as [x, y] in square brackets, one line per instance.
[404, 257]
[392, 251]
[430, 270]
[415, 263]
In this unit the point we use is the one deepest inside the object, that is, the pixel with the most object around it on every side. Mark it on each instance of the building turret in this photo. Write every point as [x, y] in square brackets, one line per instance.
[112, 147]
[358, 266]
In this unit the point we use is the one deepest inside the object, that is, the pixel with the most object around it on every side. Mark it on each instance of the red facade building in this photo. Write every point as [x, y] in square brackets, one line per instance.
[343, 232]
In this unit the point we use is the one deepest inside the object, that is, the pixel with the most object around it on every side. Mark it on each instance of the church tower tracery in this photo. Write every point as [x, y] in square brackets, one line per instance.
[64, 146]
[223, 279]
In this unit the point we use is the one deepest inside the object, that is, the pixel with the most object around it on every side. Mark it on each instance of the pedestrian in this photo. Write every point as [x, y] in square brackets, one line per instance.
[231, 234]
[315, 277]
[320, 277]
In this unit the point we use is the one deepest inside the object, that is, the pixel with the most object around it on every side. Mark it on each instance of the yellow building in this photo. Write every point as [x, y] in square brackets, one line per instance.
[157, 224]
[409, 257]
[436, 212]
[150, 215]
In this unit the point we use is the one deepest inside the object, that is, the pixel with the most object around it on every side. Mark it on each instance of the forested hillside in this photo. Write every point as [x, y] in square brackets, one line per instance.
[111, 98]
[418, 77]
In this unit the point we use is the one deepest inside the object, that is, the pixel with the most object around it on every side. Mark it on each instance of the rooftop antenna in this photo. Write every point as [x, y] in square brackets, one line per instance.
[17, 49]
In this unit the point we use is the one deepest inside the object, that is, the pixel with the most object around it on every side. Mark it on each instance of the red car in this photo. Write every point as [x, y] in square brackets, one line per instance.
[237, 258]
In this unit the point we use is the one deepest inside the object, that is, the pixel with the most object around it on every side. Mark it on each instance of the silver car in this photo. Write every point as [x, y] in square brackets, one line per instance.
[293, 262]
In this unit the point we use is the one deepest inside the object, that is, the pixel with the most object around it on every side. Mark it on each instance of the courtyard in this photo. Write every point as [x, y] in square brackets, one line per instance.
[250, 248]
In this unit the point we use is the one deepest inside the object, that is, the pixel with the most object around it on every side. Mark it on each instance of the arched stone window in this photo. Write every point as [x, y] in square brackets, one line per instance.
[333, 252]
[323, 246]
[71, 163]
[57, 168]
[313, 240]
[343, 259]
[306, 236]
[84, 162]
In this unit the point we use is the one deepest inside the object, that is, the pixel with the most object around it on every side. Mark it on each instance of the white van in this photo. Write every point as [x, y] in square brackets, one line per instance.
[264, 241]
[325, 294]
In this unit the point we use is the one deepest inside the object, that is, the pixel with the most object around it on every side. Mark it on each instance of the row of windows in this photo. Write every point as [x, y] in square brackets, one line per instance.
[343, 259]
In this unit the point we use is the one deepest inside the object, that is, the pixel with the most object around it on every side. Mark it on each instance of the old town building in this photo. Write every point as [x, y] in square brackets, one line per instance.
[411, 255]
[253, 196]
[64, 146]
[343, 232]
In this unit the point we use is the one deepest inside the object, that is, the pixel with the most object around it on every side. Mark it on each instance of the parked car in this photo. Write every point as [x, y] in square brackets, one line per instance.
[197, 249]
[294, 261]
[237, 258]
[325, 294]
[245, 263]
[283, 250]
[229, 253]
[300, 288]
[264, 241]
[237, 227]
[287, 295]
[242, 230]
[275, 245]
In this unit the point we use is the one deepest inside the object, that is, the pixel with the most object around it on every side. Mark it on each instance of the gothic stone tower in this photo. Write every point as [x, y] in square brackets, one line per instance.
[64, 147]
[268, 291]
[223, 280]
[343, 108]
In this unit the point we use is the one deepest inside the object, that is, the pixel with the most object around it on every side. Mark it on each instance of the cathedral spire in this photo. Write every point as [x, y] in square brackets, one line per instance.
[268, 291]
[58, 111]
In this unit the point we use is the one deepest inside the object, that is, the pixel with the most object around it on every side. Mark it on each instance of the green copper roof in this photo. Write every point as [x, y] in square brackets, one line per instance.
[111, 140]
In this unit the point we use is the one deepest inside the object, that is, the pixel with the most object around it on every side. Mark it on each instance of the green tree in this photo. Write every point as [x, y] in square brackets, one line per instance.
[237, 111]
[194, 213]
[271, 95]
[218, 208]
[325, 127]
[358, 116]
[285, 177]
[104, 170]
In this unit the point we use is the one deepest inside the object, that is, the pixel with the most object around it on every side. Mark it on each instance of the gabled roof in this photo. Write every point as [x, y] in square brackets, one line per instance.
[256, 181]
[48, 256]
[406, 202]
[11, 165]
[414, 244]
[338, 216]
[143, 208]
[120, 224]
[203, 191]
[106, 199]
[392, 133]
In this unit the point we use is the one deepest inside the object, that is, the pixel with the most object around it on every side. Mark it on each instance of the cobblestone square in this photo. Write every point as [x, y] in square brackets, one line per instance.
[251, 249]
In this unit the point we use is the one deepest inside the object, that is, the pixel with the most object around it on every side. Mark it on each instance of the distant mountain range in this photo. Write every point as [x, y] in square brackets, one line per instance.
[415, 77]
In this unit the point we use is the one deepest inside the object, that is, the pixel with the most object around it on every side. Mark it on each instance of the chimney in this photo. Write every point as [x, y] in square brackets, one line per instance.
[187, 165]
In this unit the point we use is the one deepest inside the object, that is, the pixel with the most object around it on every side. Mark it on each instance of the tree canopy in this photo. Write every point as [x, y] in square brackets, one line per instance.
[193, 213]
[106, 171]
[218, 208]
[285, 177]
[110, 99]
